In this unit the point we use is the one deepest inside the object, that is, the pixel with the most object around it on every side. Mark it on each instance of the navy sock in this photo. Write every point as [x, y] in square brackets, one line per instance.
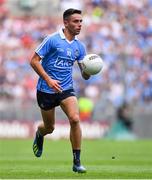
[76, 157]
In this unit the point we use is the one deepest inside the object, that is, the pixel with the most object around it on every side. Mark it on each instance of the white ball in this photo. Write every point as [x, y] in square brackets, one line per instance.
[92, 64]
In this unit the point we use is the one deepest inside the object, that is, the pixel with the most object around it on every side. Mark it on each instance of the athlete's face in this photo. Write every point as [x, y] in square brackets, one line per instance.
[73, 24]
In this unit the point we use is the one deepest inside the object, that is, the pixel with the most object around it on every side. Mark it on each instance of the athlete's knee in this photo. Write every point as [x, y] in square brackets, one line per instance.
[74, 119]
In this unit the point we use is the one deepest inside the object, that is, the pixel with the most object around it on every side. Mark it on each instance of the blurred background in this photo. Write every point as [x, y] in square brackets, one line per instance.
[117, 103]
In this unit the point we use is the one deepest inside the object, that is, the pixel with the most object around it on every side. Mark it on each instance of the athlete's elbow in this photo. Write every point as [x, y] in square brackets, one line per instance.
[85, 76]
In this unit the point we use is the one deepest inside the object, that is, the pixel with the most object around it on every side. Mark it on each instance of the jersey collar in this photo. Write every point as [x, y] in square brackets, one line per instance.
[63, 36]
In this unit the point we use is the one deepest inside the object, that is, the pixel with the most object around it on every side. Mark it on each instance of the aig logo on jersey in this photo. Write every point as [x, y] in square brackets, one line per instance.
[63, 62]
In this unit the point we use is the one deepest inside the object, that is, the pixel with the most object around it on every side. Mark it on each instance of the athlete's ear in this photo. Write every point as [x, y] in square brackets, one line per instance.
[65, 21]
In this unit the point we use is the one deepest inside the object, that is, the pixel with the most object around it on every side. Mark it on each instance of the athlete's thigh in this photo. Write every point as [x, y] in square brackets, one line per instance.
[70, 106]
[48, 117]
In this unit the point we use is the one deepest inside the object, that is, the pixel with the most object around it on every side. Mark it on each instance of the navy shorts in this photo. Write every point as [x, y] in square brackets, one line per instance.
[48, 101]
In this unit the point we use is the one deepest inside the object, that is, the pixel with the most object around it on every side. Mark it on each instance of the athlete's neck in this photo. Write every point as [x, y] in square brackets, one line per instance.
[68, 35]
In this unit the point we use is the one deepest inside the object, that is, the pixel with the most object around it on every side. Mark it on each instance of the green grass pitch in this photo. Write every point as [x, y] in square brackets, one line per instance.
[104, 159]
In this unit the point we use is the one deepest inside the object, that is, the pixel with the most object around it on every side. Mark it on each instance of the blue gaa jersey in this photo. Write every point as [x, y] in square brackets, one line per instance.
[58, 56]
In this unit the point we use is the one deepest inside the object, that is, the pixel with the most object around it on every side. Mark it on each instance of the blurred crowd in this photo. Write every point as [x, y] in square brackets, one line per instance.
[118, 30]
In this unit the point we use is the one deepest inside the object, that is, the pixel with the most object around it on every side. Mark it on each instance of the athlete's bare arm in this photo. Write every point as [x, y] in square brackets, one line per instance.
[84, 75]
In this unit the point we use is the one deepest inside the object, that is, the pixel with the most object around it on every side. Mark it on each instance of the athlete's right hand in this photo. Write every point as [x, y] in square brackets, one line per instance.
[54, 84]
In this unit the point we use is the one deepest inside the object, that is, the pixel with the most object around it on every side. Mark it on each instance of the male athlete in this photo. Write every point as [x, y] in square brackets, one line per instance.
[53, 61]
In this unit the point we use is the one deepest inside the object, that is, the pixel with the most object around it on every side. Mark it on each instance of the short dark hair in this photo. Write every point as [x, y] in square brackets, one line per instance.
[69, 12]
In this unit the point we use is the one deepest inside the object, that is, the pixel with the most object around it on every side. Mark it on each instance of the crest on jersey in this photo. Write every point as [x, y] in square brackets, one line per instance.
[76, 53]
